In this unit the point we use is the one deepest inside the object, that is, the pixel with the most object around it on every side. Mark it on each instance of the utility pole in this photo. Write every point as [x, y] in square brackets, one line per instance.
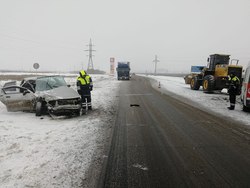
[155, 61]
[90, 62]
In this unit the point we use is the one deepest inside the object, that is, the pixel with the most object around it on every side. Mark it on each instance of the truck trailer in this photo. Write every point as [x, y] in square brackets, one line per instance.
[123, 70]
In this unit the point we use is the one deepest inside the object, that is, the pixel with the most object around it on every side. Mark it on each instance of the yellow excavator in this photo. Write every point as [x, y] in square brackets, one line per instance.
[215, 75]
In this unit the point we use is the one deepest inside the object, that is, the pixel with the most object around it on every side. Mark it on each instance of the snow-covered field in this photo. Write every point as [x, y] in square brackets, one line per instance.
[216, 103]
[46, 152]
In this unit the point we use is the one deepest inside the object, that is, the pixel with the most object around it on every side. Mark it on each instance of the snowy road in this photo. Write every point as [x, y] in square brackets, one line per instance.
[159, 141]
[214, 103]
[46, 152]
[62, 152]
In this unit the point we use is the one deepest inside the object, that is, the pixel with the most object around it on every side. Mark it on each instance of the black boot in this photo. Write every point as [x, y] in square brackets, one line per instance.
[230, 108]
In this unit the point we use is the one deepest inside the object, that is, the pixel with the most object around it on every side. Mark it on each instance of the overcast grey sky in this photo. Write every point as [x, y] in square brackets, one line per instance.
[54, 33]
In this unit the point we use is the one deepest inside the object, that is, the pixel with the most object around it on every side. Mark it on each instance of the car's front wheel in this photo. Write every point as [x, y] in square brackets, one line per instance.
[38, 108]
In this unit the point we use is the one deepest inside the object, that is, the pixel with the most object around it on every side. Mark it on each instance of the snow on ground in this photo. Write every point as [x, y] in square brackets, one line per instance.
[46, 152]
[217, 102]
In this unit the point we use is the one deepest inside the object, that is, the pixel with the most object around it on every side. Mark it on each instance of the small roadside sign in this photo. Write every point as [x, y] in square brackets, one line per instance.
[36, 65]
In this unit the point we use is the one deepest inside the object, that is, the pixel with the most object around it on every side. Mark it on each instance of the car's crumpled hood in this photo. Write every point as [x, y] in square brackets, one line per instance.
[62, 92]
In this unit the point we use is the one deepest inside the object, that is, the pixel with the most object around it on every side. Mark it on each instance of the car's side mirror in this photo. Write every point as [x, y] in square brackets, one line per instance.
[25, 92]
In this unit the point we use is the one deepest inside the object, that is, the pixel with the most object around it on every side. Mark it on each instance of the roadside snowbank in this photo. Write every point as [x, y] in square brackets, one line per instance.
[46, 152]
[212, 102]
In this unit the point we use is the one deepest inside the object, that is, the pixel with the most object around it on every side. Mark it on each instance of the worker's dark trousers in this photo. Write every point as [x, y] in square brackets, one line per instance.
[232, 99]
[88, 98]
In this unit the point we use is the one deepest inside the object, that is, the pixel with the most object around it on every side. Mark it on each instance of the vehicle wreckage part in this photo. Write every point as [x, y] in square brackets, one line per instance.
[38, 108]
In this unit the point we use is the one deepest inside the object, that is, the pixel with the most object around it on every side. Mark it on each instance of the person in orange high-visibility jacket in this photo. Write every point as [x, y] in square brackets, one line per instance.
[84, 87]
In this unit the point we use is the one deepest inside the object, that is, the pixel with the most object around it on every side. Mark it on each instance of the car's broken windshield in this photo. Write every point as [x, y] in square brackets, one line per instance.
[48, 83]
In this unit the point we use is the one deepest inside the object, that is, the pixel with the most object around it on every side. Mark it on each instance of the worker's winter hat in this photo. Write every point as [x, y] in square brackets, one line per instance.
[82, 73]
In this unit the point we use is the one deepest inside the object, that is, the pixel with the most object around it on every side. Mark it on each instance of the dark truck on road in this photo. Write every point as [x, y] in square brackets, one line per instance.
[123, 69]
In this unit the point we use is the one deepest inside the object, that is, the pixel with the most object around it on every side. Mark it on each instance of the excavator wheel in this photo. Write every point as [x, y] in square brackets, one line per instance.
[208, 84]
[194, 84]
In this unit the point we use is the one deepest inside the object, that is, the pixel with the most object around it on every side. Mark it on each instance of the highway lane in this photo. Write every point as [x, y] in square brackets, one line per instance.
[159, 141]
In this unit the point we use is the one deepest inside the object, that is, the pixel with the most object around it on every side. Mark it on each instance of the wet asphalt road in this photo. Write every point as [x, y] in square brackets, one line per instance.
[159, 141]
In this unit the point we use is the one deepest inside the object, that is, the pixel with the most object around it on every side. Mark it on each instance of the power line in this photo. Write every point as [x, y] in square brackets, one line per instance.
[155, 61]
[90, 62]
[53, 45]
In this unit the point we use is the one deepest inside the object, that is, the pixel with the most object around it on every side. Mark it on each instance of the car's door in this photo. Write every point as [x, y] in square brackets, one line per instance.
[17, 98]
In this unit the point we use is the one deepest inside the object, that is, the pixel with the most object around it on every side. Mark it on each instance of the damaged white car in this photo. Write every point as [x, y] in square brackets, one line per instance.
[42, 95]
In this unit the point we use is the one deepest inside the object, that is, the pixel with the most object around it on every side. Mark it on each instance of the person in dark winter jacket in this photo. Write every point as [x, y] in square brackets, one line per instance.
[234, 86]
[84, 87]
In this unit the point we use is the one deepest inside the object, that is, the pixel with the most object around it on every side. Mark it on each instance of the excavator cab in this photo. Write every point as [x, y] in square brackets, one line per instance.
[217, 59]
